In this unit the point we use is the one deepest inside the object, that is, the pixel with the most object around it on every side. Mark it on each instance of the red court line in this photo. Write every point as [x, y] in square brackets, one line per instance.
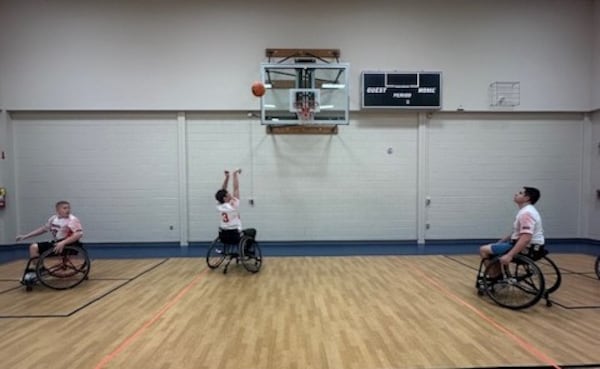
[129, 340]
[530, 348]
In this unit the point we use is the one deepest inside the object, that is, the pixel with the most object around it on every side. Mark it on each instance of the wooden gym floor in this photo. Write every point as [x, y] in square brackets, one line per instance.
[363, 312]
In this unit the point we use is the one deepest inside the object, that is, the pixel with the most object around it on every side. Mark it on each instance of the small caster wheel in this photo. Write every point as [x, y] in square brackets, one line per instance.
[548, 303]
[28, 288]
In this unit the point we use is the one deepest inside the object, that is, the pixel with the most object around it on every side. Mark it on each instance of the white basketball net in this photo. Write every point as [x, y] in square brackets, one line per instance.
[305, 108]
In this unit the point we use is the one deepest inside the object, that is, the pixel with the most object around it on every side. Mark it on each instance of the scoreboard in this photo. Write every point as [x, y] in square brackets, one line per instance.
[401, 90]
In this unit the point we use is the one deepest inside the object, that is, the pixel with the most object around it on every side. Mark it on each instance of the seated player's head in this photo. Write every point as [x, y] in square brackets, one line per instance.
[222, 196]
[63, 209]
[533, 194]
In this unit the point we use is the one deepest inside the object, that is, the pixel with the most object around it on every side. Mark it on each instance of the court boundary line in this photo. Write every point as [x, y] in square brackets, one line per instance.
[116, 288]
[91, 279]
[86, 304]
[563, 271]
[10, 289]
[554, 302]
[124, 344]
[525, 345]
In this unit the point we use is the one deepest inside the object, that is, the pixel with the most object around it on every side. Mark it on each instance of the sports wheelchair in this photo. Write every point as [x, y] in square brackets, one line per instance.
[528, 278]
[58, 271]
[234, 245]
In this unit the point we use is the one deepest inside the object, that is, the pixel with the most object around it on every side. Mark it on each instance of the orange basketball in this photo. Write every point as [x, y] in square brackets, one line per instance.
[258, 89]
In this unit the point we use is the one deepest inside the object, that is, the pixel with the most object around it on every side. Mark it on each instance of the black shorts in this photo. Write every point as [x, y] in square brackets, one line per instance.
[45, 246]
[250, 232]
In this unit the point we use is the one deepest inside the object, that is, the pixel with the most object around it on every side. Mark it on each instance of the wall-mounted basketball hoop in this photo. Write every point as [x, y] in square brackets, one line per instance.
[304, 87]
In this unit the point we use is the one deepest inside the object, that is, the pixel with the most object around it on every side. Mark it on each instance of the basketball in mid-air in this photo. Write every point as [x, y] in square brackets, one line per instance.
[258, 89]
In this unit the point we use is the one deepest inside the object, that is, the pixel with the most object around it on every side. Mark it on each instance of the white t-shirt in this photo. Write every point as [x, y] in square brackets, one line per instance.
[528, 220]
[230, 215]
[62, 228]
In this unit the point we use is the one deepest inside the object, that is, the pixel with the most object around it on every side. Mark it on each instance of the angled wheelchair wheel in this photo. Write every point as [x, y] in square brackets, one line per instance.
[65, 270]
[251, 254]
[521, 284]
[552, 276]
[216, 254]
[597, 267]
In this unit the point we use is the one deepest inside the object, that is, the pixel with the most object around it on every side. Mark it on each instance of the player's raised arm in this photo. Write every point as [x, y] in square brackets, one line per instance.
[236, 183]
[225, 181]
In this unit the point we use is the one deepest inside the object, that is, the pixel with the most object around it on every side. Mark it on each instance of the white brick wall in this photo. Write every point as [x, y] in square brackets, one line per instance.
[308, 187]
[477, 163]
[178, 55]
[123, 179]
[594, 206]
[7, 215]
[61, 56]
[118, 170]
[596, 57]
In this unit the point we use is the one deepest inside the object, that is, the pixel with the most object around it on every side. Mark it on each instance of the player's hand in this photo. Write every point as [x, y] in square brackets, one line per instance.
[59, 247]
[226, 173]
[505, 259]
[20, 238]
[238, 171]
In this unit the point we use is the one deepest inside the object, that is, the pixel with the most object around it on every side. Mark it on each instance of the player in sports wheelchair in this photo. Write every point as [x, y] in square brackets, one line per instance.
[59, 271]
[231, 245]
[529, 277]
[61, 263]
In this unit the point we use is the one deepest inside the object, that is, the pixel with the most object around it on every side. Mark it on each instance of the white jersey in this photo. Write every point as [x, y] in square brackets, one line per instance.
[230, 215]
[529, 221]
[62, 228]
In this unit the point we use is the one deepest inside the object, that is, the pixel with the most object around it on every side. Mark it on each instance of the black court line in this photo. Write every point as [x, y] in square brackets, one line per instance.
[127, 281]
[10, 289]
[566, 271]
[591, 275]
[461, 263]
[554, 302]
[563, 271]
[20, 285]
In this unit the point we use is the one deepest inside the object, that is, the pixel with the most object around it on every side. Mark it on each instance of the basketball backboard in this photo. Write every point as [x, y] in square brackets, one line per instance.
[303, 93]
